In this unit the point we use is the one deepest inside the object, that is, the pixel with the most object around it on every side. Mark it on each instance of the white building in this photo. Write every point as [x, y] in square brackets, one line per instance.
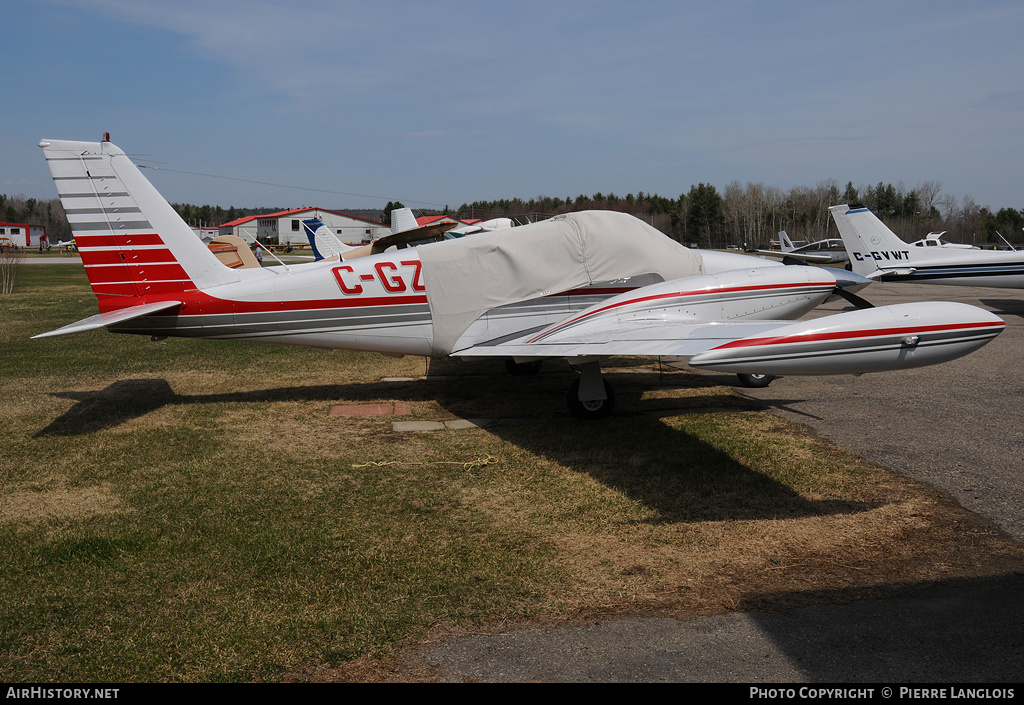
[285, 227]
[22, 235]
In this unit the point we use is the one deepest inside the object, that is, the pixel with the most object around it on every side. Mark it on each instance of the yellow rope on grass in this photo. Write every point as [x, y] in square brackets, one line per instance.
[468, 465]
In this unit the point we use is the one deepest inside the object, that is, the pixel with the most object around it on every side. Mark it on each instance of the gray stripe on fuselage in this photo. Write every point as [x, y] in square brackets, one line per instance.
[346, 320]
[280, 322]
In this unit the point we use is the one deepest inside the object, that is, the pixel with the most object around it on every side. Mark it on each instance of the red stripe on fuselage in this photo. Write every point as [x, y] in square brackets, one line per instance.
[842, 335]
[206, 304]
[214, 305]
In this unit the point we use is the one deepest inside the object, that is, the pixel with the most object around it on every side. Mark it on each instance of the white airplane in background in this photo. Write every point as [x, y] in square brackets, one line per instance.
[582, 286]
[876, 253]
[404, 231]
[323, 242]
[403, 220]
[935, 240]
[821, 252]
[485, 226]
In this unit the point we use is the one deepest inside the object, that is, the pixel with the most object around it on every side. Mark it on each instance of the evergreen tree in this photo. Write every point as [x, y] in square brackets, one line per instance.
[705, 215]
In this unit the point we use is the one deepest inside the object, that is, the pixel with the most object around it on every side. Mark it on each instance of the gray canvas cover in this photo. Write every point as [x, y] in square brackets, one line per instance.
[467, 277]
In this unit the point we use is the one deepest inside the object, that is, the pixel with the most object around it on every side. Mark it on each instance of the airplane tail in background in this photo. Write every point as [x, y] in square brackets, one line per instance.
[135, 247]
[872, 246]
[324, 243]
[785, 244]
[402, 219]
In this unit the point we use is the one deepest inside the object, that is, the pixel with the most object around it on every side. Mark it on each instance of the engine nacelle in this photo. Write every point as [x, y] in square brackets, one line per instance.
[871, 340]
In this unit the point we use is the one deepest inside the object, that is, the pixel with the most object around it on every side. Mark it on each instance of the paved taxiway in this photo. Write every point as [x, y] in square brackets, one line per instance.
[958, 427]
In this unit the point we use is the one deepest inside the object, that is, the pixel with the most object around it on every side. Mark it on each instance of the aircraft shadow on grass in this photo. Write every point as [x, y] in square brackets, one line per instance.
[675, 473]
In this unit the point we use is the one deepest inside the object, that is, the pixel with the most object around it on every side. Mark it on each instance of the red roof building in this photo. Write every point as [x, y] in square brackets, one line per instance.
[285, 227]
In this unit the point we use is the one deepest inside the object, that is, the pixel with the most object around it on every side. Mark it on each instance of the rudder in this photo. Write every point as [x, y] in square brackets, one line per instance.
[134, 246]
[864, 234]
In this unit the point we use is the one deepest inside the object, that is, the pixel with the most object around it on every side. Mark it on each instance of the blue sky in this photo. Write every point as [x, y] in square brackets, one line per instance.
[442, 103]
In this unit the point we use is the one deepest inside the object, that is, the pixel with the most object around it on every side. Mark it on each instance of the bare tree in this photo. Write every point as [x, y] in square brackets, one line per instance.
[948, 206]
[10, 261]
[928, 194]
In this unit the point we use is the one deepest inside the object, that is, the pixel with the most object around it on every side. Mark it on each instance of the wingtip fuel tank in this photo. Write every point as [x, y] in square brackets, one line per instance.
[879, 339]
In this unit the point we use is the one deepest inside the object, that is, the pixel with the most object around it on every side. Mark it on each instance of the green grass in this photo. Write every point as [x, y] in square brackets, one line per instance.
[188, 510]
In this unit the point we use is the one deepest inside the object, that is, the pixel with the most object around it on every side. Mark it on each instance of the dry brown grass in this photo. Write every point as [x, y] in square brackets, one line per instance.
[41, 502]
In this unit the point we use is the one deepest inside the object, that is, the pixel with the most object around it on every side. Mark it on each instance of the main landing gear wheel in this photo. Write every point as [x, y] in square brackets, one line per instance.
[755, 381]
[589, 410]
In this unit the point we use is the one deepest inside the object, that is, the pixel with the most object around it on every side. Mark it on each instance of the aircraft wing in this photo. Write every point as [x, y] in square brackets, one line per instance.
[881, 274]
[649, 338]
[404, 238]
[713, 320]
[816, 259]
[868, 340]
[110, 317]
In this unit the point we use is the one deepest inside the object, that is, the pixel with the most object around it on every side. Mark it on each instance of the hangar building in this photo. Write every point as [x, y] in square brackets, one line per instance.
[285, 227]
[22, 235]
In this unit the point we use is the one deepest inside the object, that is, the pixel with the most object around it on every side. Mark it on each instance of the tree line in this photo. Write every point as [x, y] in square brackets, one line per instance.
[749, 214]
[754, 213]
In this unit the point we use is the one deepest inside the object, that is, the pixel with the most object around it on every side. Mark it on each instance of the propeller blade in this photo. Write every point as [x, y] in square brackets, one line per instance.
[852, 298]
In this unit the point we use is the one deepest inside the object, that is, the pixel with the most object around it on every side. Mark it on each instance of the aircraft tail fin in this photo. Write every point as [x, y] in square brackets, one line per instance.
[402, 219]
[324, 243]
[134, 245]
[872, 246]
[785, 244]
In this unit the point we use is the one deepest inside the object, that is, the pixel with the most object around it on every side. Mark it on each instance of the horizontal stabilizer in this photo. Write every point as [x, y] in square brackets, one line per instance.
[799, 256]
[110, 317]
[803, 258]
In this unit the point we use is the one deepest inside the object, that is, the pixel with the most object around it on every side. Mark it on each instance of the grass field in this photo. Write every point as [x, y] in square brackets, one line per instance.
[191, 511]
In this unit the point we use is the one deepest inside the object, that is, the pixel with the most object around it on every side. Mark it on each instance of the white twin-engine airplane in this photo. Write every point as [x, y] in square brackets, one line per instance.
[876, 253]
[581, 286]
[828, 251]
